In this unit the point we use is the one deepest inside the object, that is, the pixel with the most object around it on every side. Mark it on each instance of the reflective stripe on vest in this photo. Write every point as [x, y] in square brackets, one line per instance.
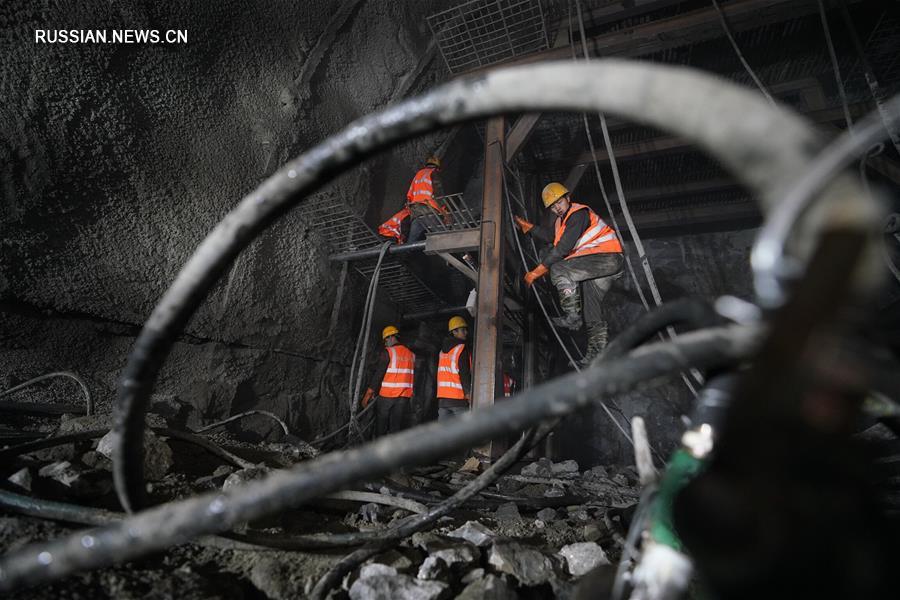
[449, 384]
[421, 190]
[392, 228]
[597, 238]
[398, 379]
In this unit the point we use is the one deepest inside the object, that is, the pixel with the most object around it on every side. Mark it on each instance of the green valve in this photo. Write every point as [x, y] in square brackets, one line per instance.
[682, 468]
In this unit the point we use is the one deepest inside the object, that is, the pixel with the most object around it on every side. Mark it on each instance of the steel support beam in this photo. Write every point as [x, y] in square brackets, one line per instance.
[519, 134]
[373, 252]
[466, 240]
[486, 377]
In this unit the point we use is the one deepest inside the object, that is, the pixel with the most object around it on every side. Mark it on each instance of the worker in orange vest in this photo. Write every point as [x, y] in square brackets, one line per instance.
[584, 249]
[454, 376]
[397, 227]
[421, 200]
[393, 378]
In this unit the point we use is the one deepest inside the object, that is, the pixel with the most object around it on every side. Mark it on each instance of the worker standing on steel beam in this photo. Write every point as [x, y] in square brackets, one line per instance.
[394, 378]
[584, 249]
[421, 201]
[397, 227]
[454, 376]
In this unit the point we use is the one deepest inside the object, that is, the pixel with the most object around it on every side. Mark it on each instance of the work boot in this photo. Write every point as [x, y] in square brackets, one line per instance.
[571, 307]
[598, 337]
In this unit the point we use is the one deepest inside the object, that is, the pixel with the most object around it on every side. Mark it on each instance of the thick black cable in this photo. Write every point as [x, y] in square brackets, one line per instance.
[690, 311]
[240, 416]
[180, 521]
[12, 452]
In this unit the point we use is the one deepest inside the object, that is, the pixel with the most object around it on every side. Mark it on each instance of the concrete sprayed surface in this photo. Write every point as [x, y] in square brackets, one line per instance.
[118, 159]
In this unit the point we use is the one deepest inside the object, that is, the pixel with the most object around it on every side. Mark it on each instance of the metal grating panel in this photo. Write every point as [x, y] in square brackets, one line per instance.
[484, 32]
[342, 230]
[461, 217]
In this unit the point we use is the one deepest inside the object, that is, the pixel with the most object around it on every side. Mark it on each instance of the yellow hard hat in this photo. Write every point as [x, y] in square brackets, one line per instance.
[388, 331]
[553, 192]
[433, 160]
[456, 323]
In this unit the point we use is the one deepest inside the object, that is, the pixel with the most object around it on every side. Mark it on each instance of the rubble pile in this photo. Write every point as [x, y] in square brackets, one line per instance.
[535, 533]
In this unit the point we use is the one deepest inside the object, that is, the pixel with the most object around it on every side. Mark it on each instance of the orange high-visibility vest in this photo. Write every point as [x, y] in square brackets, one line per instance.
[597, 238]
[398, 379]
[392, 228]
[507, 385]
[421, 190]
[449, 385]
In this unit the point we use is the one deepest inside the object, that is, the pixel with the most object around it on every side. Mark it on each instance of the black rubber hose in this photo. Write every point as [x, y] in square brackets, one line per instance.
[690, 311]
[71, 438]
[180, 521]
[764, 147]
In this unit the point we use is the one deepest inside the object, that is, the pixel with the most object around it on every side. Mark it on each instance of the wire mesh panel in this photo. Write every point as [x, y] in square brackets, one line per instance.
[484, 32]
[458, 217]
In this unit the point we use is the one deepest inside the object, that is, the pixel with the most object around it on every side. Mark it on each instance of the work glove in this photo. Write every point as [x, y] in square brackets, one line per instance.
[524, 225]
[370, 393]
[535, 274]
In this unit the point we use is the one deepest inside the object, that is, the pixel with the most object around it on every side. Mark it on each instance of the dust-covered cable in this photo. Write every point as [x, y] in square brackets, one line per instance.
[88, 400]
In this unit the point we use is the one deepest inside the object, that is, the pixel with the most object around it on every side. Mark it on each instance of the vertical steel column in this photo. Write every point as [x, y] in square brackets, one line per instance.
[486, 373]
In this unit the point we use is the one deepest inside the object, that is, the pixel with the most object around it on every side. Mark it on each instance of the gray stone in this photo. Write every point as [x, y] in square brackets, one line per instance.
[223, 470]
[582, 557]
[394, 559]
[432, 568]
[591, 532]
[242, 476]
[473, 575]
[443, 558]
[426, 540]
[76, 481]
[488, 588]
[157, 454]
[371, 512]
[461, 554]
[507, 512]
[21, 479]
[598, 472]
[566, 467]
[396, 587]
[554, 492]
[526, 565]
[474, 533]
[541, 468]
[547, 514]
[373, 569]
[62, 472]
[94, 459]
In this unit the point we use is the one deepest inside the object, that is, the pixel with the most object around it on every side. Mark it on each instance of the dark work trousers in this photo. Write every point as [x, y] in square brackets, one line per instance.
[416, 412]
[424, 218]
[390, 415]
[596, 271]
[448, 408]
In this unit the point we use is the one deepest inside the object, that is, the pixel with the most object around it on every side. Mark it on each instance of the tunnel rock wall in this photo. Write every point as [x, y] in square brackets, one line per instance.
[117, 159]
